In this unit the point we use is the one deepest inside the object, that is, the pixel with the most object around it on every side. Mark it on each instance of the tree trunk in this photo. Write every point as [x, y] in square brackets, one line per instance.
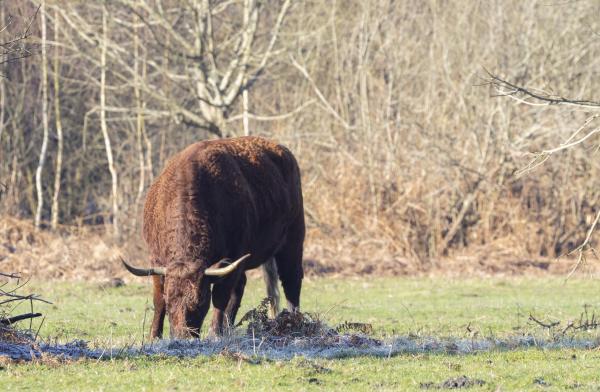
[42, 158]
[245, 110]
[2, 90]
[107, 145]
[139, 115]
[59, 133]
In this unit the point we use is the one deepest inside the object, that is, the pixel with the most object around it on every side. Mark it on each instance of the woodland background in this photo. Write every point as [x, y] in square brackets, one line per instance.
[410, 159]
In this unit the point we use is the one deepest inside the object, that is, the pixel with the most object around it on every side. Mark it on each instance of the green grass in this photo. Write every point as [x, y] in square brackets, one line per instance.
[425, 307]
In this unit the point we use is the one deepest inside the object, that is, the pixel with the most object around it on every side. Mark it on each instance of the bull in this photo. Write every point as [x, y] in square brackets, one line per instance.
[218, 209]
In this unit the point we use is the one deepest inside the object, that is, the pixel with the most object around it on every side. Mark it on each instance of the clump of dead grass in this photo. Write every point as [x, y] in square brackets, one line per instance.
[291, 327]
[290, 324]
[9, 334]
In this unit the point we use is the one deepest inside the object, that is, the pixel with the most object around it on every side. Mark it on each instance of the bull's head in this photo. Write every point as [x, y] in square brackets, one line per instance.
[186, 291]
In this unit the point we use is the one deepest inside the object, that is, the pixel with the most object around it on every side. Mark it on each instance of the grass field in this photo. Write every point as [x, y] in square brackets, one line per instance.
[439, 307]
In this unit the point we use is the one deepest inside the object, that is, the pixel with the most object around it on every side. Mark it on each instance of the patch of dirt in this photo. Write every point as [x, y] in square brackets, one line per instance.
[311, 367]
[112, 283]
[318, 267]
[453, 383]
[314, 380]
[575, 385]
[540, 381]
[238, 356]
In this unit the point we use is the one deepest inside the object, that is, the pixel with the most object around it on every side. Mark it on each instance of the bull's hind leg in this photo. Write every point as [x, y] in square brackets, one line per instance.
[159, 307]
[289, 264]
[270, 276]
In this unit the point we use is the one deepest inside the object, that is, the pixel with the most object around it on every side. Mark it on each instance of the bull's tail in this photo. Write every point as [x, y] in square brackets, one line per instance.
[271, 278]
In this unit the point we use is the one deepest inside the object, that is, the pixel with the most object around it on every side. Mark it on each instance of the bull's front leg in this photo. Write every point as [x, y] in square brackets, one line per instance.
[234, 301]
[159, 308]
[221, 292]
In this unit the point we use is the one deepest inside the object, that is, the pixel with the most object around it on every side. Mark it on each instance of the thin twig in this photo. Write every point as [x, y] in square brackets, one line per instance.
[39, 329]
[582, 248]
[11, 275]
[506, 88]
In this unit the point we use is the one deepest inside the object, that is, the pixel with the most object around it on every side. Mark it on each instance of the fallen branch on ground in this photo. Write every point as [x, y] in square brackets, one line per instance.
[545, 325]
[587, 321]
[14, 319]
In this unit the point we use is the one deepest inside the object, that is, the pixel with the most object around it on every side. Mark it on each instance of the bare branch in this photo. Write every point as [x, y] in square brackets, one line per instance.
[506, 88]
[543, 156]
[274, 117]
[265, 58]
[11, 276]
[581, 249]
[14, 319]
[542, 324]
[248, 33]
[14, 49]
[320, 95]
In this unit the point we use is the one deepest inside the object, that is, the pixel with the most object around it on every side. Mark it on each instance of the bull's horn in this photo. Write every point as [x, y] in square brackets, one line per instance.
[143, 271]
[225, 270]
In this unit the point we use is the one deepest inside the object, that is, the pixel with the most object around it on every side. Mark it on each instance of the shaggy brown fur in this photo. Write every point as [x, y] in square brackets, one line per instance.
[222, 199]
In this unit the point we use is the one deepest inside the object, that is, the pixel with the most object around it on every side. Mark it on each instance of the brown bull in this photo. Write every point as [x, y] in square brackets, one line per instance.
[216, 201]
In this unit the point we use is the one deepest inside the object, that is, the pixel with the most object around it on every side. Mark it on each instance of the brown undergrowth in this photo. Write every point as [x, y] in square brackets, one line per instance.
[68, 254]
[88, 254]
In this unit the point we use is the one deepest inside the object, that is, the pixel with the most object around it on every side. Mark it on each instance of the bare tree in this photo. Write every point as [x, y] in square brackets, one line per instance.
[59, 133]
[103, 126]
[139, 75]
[44, 147]
[218, 61]
[2, 89]
[15, 45]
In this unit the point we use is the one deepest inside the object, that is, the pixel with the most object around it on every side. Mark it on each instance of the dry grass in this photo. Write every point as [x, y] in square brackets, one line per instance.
[88, 255]
[9, 334]
[70, 254]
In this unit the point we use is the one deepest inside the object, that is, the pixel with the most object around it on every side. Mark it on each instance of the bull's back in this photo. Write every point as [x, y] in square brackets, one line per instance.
[235, 192]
